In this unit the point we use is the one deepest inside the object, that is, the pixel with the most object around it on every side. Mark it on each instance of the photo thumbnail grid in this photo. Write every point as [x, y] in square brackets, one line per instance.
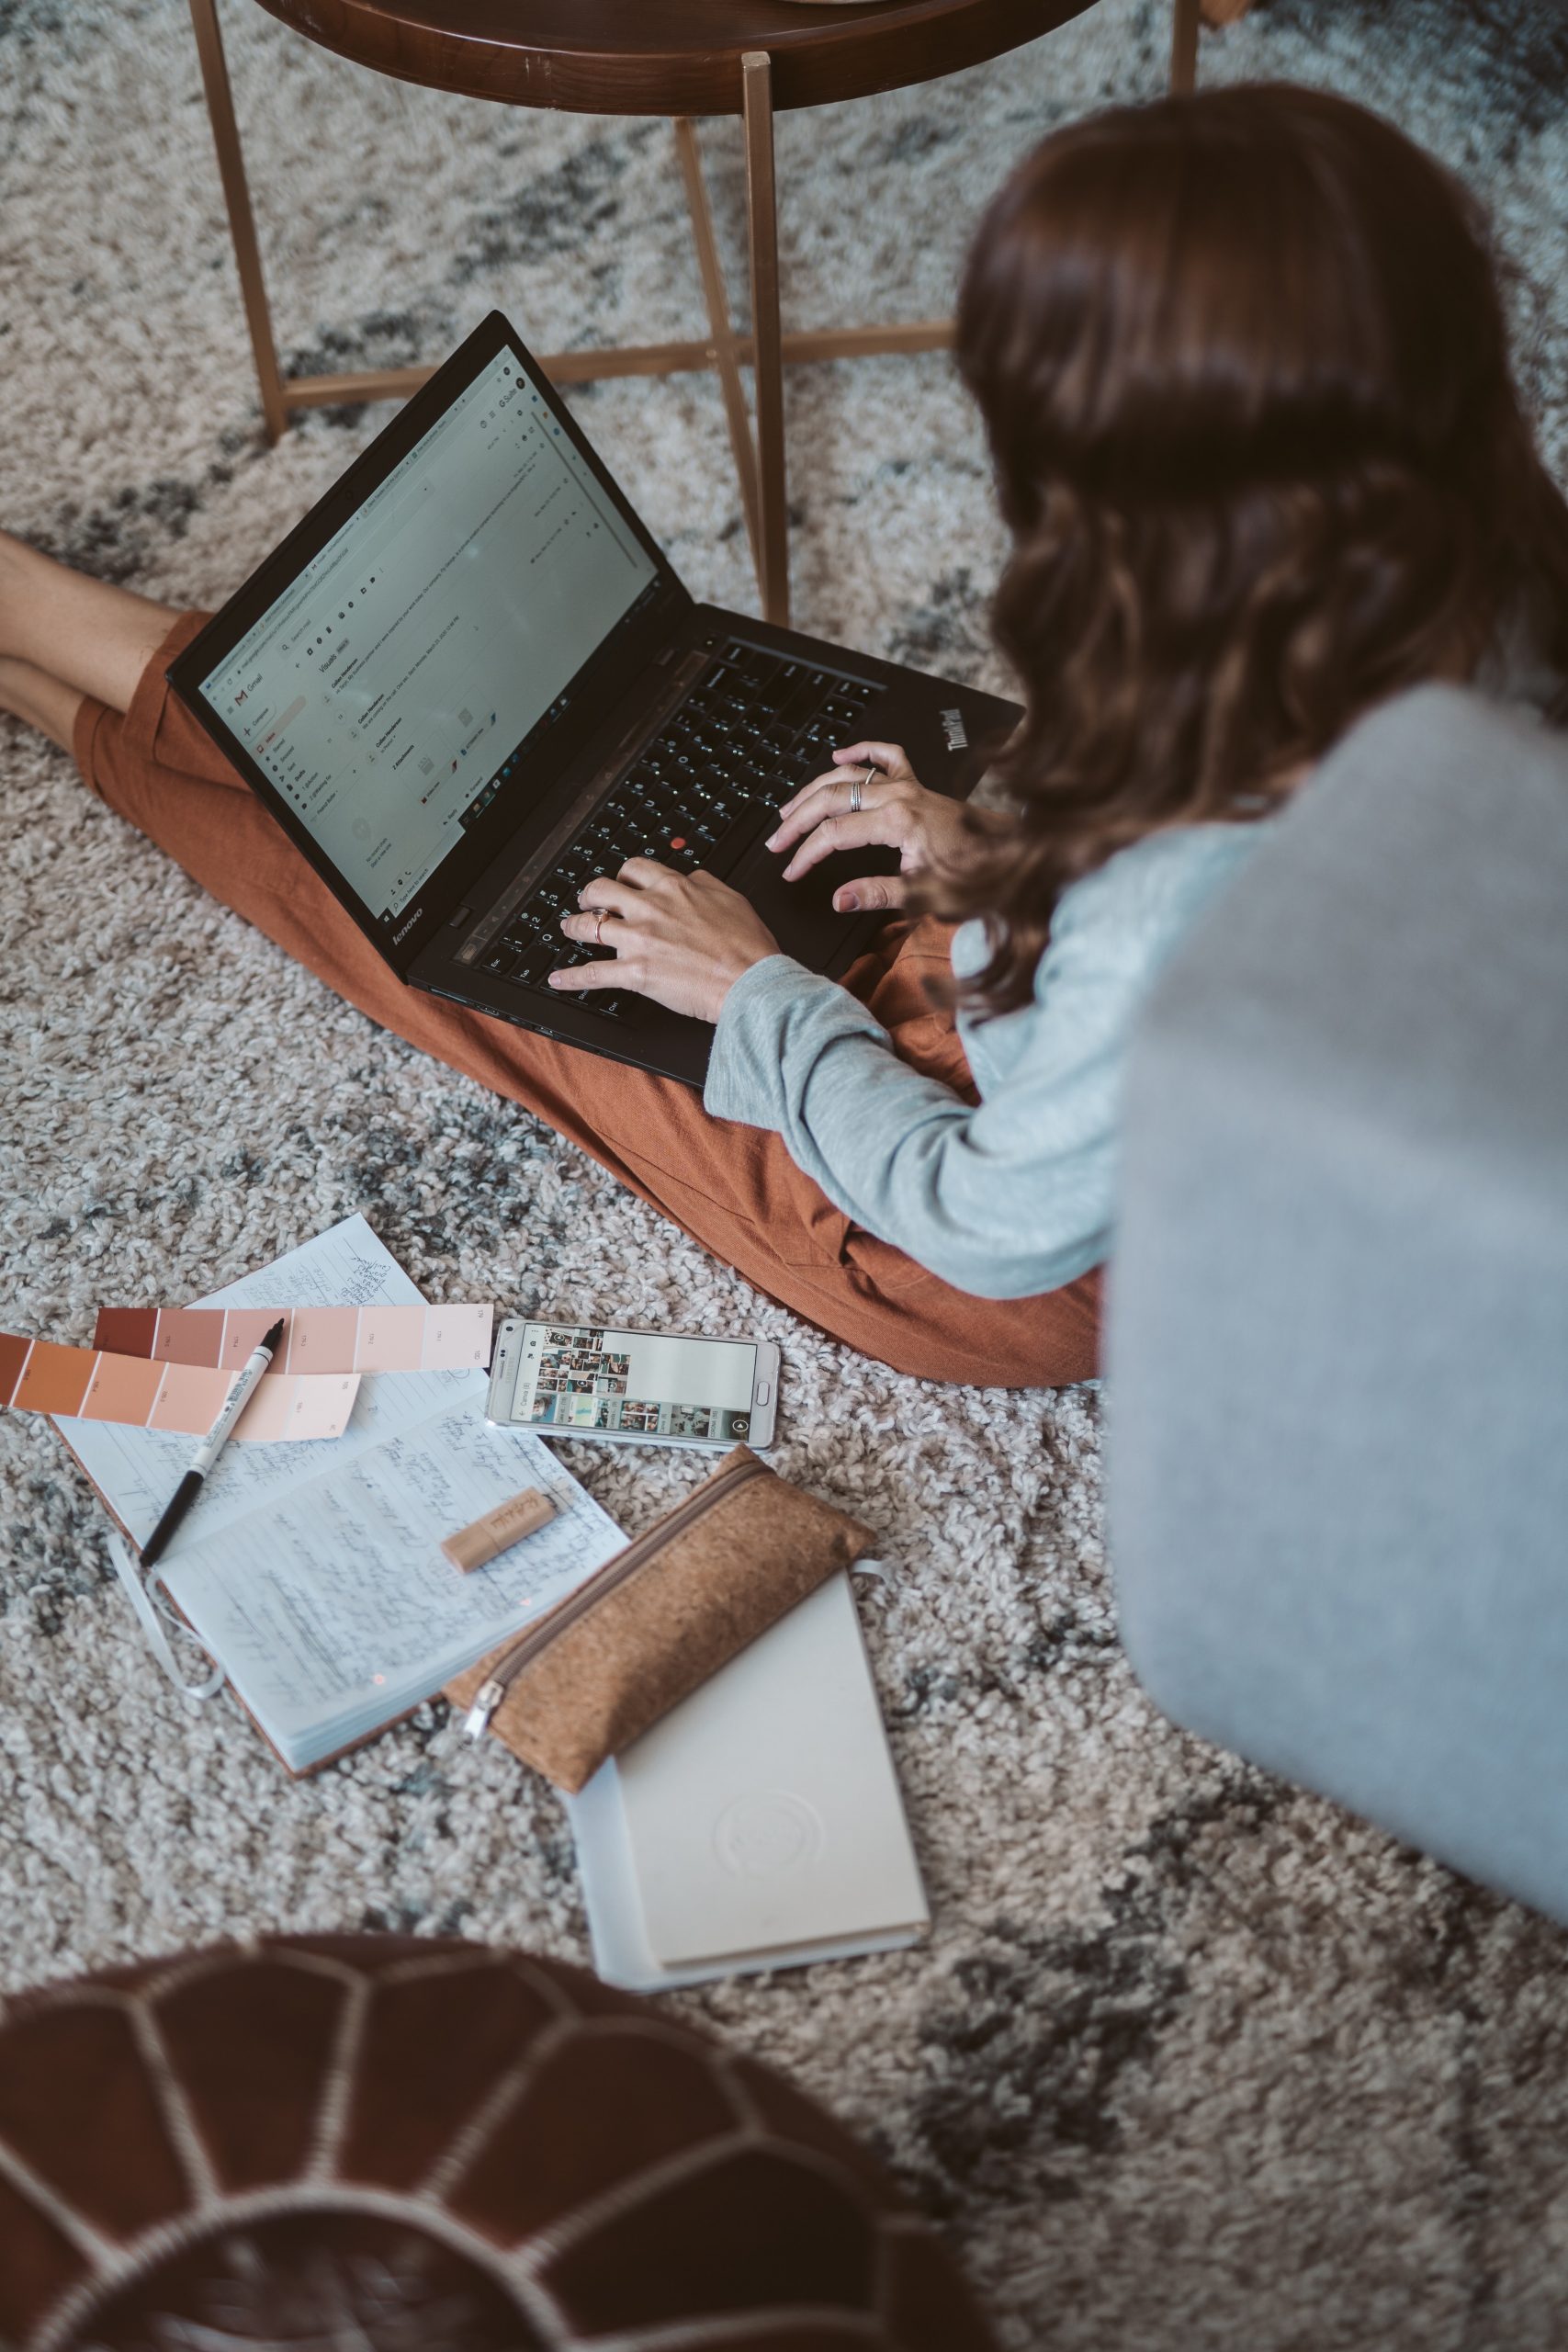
[581, 1383]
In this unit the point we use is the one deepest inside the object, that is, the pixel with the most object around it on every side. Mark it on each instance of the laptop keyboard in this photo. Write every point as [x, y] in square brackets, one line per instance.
[753, 728]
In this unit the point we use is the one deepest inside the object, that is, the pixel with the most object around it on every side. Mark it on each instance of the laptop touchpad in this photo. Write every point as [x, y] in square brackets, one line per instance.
[801, 914]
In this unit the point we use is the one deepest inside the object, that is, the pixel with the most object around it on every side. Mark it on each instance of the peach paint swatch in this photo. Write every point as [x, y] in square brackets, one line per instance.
[315, 1339]
[37, 1376]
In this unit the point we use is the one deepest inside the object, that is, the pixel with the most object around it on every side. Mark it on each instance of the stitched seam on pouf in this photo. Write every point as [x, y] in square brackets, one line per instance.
[135, 2259]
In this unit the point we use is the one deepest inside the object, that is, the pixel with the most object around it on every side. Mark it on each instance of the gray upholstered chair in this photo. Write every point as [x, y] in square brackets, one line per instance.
[1337, 1349]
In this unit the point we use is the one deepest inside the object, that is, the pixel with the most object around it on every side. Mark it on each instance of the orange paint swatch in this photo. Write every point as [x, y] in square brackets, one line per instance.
[123, 1388]
[54, 1379]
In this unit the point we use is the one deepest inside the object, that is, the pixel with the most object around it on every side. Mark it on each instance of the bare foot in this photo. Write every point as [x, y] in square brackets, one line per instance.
[93, 638]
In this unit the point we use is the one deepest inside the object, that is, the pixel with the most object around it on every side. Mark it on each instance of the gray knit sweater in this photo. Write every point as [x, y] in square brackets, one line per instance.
[1018, 1195]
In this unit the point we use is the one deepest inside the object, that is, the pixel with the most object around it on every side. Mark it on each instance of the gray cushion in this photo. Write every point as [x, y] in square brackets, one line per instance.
[1338, 1344]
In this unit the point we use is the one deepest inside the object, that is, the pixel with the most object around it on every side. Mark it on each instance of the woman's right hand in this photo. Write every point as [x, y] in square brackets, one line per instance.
[895, 811]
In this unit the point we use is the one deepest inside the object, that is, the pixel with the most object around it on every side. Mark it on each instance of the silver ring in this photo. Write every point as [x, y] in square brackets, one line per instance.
[856, 788]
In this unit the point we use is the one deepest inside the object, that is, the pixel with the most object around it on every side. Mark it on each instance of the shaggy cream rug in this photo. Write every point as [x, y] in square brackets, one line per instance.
[1191, 2059]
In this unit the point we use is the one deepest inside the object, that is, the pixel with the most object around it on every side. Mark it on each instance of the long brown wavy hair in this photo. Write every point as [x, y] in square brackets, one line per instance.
[1243, 365]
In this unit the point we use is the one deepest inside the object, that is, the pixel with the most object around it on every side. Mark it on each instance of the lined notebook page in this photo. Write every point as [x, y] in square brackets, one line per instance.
[334, 1610]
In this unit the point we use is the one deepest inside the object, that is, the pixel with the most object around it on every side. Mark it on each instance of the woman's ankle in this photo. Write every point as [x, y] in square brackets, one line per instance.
[14, 568]
[30, 694]
[93, 638]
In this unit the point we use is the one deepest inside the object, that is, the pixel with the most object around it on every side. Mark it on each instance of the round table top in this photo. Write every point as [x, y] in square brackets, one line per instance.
[668, 57]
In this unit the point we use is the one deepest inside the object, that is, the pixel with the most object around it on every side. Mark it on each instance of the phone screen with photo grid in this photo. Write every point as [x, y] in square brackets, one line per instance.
[587, 1377]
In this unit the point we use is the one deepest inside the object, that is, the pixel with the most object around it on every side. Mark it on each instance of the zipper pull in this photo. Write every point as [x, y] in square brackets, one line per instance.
[487, 1698]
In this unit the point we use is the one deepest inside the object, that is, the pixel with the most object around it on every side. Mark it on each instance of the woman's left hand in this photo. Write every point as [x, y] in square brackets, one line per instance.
[682, 939]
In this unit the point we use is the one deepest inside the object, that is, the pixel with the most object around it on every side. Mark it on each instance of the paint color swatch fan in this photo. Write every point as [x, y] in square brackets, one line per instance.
[129, 1391]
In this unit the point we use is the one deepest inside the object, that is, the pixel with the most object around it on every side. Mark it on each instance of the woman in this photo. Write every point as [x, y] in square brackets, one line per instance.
[1242, 364]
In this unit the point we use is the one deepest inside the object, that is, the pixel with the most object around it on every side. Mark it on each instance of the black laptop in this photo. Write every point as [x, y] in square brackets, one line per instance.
[470, 682]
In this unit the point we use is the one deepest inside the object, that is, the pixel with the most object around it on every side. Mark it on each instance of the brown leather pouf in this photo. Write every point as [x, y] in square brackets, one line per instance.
[390, 2143]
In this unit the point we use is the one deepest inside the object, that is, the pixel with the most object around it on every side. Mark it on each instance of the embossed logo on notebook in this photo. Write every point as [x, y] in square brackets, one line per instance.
[761, 1836]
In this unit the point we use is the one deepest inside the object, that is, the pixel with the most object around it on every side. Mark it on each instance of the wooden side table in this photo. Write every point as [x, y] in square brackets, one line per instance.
[679, 58]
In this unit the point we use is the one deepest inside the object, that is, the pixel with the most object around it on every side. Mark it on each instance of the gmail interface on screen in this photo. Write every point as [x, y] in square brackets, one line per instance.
[387, 694]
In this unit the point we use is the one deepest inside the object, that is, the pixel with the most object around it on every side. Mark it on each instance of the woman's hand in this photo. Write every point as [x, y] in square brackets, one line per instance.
[894, 811]
[682, 939]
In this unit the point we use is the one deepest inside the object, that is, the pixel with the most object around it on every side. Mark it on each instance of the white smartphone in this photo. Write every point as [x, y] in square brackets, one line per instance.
[590, 1380]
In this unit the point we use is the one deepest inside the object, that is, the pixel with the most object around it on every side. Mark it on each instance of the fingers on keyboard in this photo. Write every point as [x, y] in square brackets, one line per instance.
[751, 733]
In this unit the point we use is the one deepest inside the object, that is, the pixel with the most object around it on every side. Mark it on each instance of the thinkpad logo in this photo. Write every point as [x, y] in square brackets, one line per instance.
[957, 734]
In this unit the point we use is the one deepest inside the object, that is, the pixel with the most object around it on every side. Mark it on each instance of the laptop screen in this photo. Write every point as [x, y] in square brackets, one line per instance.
[388, 690]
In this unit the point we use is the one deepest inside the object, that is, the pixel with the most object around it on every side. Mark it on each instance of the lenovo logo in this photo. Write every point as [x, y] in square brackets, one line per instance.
[399, 937]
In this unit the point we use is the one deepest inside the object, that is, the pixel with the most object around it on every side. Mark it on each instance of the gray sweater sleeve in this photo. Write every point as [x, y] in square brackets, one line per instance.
[1004, 1200]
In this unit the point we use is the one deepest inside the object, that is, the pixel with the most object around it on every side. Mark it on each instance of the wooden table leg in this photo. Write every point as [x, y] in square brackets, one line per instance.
[1184, 46]
[237, 197]
[724, 350]
[761, 209]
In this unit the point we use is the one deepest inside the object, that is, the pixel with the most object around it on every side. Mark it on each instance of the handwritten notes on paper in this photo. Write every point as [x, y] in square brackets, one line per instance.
[335, 1611]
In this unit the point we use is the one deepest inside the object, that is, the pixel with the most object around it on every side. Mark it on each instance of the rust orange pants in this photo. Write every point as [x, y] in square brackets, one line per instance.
[734, 1188]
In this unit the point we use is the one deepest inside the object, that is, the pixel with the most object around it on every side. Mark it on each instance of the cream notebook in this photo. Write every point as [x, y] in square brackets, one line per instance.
[760, 1824]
